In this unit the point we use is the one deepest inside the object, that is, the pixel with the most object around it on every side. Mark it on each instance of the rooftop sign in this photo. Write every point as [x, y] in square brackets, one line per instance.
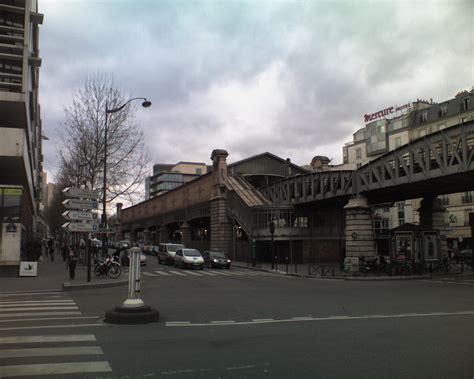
[385, 112]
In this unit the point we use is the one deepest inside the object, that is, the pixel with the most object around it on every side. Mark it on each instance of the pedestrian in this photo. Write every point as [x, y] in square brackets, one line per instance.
[51, 248]
[72, 262]
[45, 247]
[64, 251]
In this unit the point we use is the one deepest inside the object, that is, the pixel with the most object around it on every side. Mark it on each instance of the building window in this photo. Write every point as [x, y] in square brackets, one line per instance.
[443, 110]
[444, 200]
[401, 212]
[398, 142]
[424, 117]
[381, 227]
[467, 198]
[359, 153]
[465, 104]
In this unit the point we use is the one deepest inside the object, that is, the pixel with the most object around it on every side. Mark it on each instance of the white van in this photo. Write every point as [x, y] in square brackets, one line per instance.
[167, 251]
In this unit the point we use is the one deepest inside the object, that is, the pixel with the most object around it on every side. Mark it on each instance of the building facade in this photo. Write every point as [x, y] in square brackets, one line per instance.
[410, 123]
[21, 155]
[170, 176]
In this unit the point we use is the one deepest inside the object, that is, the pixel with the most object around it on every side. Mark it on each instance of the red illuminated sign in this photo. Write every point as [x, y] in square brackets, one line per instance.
[385, 112]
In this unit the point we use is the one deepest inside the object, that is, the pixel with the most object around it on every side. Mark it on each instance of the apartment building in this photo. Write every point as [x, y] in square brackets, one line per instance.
[169, 176]
[395, 126]
[21, 156]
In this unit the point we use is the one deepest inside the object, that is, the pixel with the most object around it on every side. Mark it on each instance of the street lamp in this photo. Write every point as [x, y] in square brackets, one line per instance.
[145, 104]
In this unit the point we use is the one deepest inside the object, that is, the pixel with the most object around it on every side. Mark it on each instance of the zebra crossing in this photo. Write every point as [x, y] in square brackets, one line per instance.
[169, 273]
[44, 334]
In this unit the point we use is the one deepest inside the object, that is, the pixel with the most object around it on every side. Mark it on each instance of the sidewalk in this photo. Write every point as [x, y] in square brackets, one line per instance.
[332, 271]
[52, 275]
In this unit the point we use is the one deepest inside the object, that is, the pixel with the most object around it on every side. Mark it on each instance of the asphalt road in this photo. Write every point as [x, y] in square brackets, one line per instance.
[244, 324]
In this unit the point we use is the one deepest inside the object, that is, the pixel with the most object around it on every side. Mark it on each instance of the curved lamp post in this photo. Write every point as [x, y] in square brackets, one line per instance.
[145, 104]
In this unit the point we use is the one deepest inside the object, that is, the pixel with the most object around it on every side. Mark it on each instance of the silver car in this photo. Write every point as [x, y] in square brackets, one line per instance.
[191, 258]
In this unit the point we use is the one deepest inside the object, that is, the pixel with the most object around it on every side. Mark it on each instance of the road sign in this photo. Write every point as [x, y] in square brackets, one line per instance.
[81, 216]
[80, 204]
[80, 227]
[106, 231]
[81, 193]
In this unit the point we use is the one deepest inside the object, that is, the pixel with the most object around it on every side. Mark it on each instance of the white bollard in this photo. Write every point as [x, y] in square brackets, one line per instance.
[133, 300]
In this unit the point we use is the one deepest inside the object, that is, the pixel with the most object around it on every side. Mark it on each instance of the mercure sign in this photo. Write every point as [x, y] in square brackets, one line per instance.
[385, 112]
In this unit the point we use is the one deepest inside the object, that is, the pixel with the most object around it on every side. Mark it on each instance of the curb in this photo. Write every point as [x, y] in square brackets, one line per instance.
[68, 286]
[339, 277]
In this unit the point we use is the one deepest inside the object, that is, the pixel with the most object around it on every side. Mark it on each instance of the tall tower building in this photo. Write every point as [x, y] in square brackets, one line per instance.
[21, 157]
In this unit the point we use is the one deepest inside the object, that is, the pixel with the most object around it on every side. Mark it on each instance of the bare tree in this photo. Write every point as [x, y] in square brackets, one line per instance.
[83, 142]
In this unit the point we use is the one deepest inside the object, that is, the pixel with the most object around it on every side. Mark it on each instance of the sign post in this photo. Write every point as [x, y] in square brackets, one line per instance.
[81, 201]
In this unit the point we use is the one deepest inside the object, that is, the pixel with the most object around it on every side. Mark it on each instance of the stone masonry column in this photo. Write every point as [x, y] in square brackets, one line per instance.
[146, 236]
[359, 230]
[221, 225]
[163, 235]
[433, 215]
[186, 234]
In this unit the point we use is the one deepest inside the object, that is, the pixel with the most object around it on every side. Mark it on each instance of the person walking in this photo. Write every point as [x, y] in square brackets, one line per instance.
[72, 262]
[45, 247]
[51, 248]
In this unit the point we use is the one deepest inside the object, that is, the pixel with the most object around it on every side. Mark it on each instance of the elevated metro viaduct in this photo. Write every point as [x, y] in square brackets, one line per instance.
[318, 216]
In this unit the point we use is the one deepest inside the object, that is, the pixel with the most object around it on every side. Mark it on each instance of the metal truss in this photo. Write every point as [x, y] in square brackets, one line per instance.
[449, 152]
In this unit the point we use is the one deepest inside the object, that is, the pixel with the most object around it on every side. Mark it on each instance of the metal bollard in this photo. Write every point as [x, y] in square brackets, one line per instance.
[276, 264]
[133, 300]
[286, 265]
[296, 267]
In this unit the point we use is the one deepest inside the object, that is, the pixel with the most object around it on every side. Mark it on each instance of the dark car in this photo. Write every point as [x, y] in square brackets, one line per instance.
[216, 259]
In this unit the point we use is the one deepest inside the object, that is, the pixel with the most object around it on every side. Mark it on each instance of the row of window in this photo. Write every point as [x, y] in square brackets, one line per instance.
[443, 110]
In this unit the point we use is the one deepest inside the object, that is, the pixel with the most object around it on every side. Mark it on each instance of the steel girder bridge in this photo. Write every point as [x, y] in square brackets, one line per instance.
[439, 163]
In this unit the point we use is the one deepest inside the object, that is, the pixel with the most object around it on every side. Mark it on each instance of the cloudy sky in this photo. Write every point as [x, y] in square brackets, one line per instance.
[290, 77]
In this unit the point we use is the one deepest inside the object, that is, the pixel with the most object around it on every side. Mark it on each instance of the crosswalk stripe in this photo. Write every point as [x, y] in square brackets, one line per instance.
[36, 302]
[193, 273]
[146, 273]
[162, 273]
[35, 293]
[19, 308]
[38, 314]
[221, 273]
[178, 273]
[52, 338]
[55, 368]
[50, 319]
[208, 273]
[54, 326]
[51, 351]
[35, 305]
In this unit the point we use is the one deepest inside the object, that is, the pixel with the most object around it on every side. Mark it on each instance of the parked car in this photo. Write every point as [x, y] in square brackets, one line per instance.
[124, 244]
[167, 251]
[150, 250]
[125, 258]
[188, 258]
[216, 259]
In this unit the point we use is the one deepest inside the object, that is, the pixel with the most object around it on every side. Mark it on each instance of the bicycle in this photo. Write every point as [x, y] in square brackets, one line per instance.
[109, 267]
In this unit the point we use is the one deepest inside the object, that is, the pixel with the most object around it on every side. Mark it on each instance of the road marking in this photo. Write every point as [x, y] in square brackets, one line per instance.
[223, 322]
[59, 308]
[10, 305]
[329, 318]
[36, 314]
[146, 273]
[53, 326]
[51, 351]
[163, 273]
[263, 319]
[235, 273]
[36, 301]
[221, 273]
[446, 282]
[51, 318]
[178, 273]
[52, 338]
[193, 273]
[208, 273]
[8, 293]
[178, 323]
[55, 368]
